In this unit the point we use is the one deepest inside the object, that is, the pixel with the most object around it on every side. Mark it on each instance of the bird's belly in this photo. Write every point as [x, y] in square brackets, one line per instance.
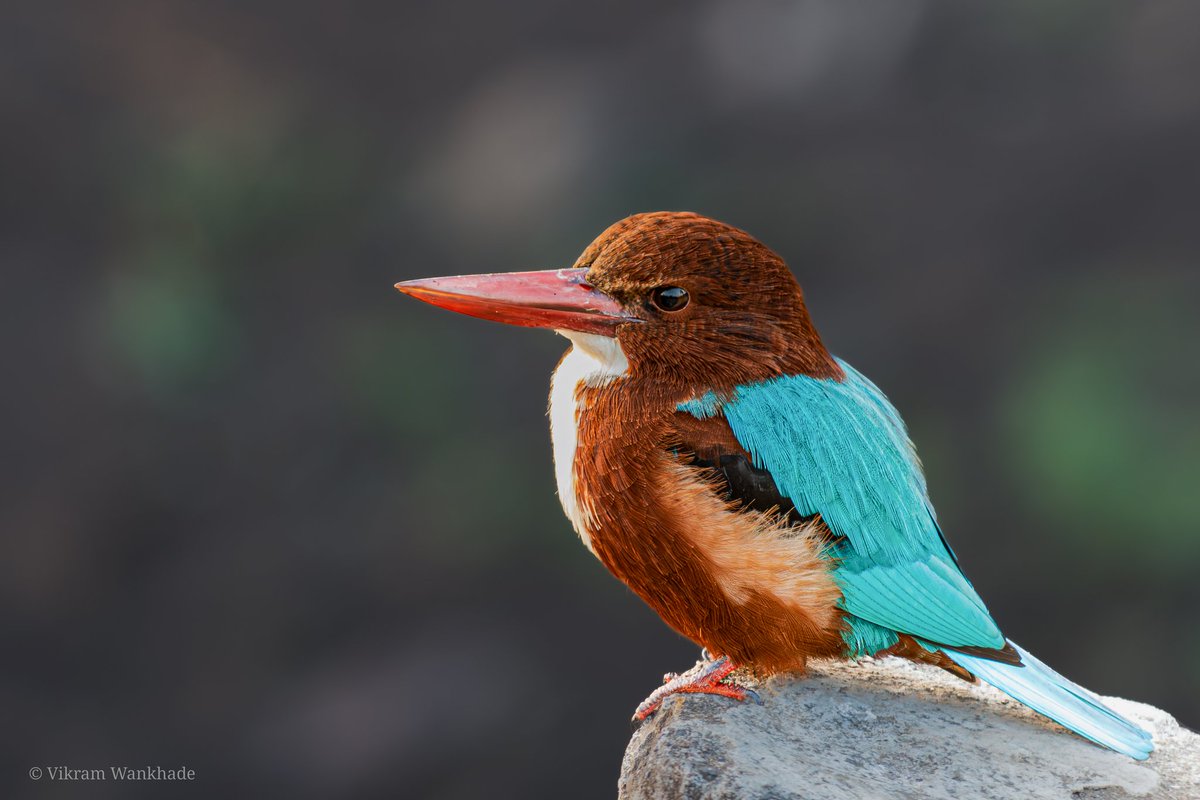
[742, 584]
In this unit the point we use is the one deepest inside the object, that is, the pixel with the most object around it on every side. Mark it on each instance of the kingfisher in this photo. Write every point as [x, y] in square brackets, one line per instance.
[759, 493]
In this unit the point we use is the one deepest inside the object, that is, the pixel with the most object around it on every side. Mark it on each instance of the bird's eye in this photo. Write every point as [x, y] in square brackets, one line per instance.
[669, 298]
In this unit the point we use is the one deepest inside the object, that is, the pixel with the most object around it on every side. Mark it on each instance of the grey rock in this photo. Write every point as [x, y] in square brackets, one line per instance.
[891, 729]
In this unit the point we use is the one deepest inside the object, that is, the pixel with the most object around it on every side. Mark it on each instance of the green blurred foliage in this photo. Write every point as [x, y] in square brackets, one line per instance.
[1101, 429]
[168, 322]
[201, 214]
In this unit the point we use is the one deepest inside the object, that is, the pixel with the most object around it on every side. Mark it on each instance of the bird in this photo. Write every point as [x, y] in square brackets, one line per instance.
[759, 493]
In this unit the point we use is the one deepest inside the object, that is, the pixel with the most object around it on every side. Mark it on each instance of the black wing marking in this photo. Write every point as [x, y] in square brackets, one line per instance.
[746, 484]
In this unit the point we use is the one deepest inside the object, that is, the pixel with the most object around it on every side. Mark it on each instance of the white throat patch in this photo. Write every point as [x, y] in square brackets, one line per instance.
[594, 361]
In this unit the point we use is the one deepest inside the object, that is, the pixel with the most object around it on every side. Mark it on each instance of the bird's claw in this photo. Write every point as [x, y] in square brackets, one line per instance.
[705, 678]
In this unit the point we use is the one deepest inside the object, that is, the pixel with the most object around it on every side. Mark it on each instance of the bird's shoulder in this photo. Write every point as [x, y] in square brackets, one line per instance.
[710, 445]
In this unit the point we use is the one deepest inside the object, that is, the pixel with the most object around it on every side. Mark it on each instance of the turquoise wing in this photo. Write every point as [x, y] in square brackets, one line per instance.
[840, 449]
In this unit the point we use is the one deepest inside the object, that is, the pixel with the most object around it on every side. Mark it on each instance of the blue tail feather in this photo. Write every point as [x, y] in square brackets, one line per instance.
[1070, 705]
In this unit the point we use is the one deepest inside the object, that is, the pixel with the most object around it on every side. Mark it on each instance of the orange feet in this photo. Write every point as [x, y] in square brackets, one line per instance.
[707, 677]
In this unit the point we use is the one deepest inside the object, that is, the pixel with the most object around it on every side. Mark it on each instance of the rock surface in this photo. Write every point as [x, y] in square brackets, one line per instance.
[891, 729]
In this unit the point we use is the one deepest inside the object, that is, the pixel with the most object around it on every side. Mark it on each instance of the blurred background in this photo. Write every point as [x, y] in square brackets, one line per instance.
[267, 519]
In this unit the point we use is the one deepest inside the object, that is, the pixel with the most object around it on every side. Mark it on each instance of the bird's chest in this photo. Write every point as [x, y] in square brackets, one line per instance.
[592, 361]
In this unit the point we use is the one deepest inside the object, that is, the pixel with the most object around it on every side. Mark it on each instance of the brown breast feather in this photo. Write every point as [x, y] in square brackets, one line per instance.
[746, 583]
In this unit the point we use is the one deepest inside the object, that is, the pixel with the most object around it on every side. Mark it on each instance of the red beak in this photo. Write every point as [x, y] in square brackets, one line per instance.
[552, 298]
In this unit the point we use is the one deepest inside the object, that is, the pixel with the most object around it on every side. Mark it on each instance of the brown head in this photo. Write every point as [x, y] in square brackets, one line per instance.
[692, 301]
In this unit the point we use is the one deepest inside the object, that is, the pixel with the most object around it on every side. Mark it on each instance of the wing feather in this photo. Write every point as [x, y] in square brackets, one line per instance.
[839, 449]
